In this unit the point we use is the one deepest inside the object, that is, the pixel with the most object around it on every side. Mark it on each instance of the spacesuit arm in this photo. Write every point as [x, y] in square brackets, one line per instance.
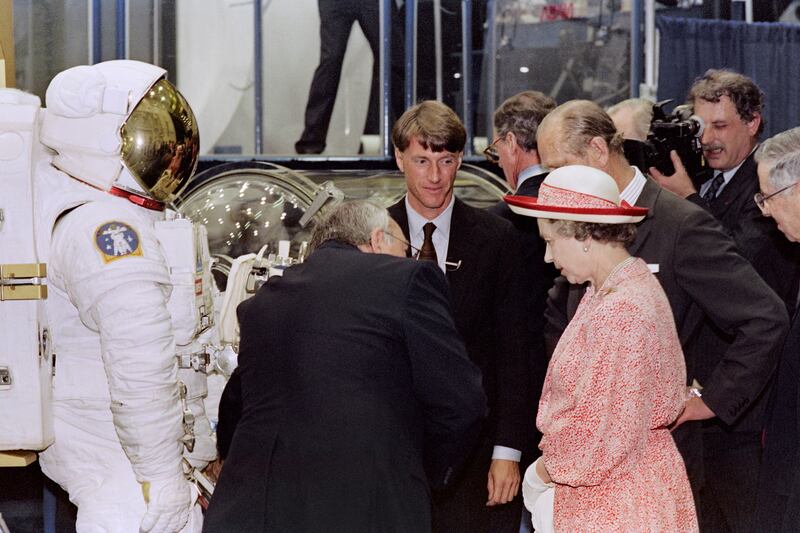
[138, 353]
[125, 302]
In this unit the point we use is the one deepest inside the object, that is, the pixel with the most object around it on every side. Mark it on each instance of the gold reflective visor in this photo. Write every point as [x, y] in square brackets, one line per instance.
[160, 142]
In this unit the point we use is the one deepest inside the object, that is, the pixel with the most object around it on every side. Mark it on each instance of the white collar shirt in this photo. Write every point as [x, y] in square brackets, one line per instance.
[529, 172]
[634, 189]
[441, 237]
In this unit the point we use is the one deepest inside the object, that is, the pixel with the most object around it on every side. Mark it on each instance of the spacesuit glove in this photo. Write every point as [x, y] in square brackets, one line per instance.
[533, 486]
[168, 504]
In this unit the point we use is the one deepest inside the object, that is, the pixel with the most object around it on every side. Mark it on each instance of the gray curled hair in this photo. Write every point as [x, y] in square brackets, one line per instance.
[786, 171]
[778, 146]
[351, 223]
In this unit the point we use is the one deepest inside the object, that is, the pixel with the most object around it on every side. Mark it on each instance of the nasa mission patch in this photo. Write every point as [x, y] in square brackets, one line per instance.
[117, 240]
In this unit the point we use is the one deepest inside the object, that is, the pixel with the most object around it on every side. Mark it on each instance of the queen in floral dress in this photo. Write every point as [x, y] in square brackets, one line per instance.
[616, 380]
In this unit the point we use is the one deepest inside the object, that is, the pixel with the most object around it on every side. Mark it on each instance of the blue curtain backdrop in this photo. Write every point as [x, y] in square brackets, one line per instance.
[767, 52]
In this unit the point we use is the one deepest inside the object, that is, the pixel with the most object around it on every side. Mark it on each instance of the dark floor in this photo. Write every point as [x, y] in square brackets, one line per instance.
[21, 492]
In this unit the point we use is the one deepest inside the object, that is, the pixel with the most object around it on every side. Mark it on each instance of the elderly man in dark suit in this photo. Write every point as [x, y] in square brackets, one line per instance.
[707, 283]
[354, 386]
[480, 254]
[514, 150]
[778, 495]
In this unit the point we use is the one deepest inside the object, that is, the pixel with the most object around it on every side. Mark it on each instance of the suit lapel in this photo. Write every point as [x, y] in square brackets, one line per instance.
[647, 198]
[398, 212]
[462, 247]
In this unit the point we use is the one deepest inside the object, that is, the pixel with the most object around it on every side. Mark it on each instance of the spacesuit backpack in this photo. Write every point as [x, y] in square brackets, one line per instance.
[26, 364]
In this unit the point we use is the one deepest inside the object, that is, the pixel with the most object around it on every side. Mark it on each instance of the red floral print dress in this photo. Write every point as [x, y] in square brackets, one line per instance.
[615, 382]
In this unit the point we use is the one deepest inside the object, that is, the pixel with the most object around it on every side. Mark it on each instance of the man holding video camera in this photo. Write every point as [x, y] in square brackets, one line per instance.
[730, 104]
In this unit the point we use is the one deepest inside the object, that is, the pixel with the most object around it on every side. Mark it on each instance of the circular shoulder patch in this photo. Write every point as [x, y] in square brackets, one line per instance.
[116, 240]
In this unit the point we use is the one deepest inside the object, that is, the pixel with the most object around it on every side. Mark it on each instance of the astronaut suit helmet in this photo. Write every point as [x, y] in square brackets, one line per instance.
[121, 127]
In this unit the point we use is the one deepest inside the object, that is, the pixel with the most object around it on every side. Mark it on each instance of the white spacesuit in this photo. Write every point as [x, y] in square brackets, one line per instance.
[129, 140]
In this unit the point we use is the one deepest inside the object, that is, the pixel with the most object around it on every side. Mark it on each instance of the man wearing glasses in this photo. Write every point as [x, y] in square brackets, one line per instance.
[353, 394]
[492, 305]
[778, 494]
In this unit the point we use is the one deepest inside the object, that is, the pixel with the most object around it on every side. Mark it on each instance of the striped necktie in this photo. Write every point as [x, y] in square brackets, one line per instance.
[713, 189]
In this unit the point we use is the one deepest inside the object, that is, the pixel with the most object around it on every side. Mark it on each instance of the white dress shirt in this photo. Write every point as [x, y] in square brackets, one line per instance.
[441, 237]
[727, 175]
[529, 172]
[634, 189]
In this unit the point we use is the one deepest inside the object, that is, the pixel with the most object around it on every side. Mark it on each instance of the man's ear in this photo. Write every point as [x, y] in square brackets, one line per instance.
[398, 158]
[598, 153]
[377, 240]
[753, 125]
[511, 139]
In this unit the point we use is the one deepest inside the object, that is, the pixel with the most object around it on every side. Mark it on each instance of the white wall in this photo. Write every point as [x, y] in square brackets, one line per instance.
[215, 73]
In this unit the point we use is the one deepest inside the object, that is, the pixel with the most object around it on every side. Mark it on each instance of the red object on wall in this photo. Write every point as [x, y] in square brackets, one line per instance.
[556, 12]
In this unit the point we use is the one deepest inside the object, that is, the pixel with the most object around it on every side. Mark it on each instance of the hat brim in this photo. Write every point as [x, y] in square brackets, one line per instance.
[529, 207]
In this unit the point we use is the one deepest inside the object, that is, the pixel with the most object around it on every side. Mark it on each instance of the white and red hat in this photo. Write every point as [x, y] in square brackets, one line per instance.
[579, 193]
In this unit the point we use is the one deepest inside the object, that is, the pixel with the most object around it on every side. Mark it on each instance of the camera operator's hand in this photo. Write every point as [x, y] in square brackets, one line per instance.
[679, 183]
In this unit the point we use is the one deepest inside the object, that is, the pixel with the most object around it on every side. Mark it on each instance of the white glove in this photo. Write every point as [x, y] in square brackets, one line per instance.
[538, 498]
[533, 486]
[542, 514]
[168, 503]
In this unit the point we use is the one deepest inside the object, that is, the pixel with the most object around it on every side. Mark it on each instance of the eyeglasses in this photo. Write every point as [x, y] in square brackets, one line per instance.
[403, 241]
[449, 266]
[490, 153]
[761, 200]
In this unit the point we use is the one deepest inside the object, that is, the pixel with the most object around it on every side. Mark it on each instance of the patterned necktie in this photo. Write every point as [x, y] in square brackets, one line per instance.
[716, 183]
[428, 252]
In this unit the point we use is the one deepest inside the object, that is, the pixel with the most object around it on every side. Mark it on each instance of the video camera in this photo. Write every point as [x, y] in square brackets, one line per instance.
[680, 131]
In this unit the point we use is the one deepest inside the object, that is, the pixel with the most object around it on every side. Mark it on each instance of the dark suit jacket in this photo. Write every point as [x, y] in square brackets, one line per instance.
[492, 305]
[537, 278]
[705, 279]
[757, 237]
[529, 226]
[778, 496]
[486, 307]
[775, 259]
[351, 373]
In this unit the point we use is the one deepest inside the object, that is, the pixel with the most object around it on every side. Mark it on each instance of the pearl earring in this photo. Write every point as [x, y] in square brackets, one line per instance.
[585, 248]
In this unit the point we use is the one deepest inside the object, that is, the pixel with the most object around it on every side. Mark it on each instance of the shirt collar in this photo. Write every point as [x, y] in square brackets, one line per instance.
[442, 222]
[529, 172]
[634, 189]
[727, 175]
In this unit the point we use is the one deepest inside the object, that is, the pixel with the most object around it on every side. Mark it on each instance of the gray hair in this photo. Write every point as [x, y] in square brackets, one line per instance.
[601, 232]
[778, 146]
[786, 171]
[579, 121]
[641, 111]
[351, 223]
[521, 115]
